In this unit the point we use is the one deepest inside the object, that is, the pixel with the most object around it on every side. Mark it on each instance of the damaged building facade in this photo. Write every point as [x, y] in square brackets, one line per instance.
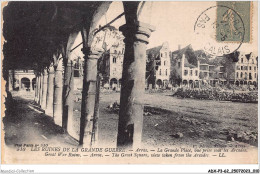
[158, 66]
[242, 69]
[185, 67]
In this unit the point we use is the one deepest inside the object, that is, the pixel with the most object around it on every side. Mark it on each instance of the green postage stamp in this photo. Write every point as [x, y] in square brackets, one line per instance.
[234, 21]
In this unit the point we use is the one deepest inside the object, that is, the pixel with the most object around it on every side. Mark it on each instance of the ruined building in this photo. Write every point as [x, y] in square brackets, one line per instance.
[158, 66]
[185, 67]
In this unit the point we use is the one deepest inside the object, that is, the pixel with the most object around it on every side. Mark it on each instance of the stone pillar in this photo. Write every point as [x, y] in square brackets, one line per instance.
[88, 96]
[35, 89]
[40, 90]
[94, 138]
[31, 85]
[9, 82]
[49, 104]
[57, 100]
[44, 89]
[90, 73]
[133, 83]
[12, 82]
[20, 84]
[68, 89]
[68, 85]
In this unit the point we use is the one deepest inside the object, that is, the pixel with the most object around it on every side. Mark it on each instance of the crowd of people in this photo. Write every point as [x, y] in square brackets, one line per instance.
[217, 94]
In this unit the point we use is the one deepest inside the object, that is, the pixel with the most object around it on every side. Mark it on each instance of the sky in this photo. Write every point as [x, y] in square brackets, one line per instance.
[174, 23]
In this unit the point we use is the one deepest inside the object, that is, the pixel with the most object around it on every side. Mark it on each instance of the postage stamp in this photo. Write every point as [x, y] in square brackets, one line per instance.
[234, 21]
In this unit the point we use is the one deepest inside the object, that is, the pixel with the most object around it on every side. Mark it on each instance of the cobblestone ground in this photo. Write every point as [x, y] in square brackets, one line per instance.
[203, 122]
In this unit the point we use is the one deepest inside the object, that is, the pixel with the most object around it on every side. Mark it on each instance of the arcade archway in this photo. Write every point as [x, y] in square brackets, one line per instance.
[113, 83]
[25, 84]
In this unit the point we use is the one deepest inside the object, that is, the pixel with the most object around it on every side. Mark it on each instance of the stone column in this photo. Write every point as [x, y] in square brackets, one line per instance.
[44, 89]
[20, 84]
[40, 90]
[68, 86]
[133, 83]
[68, 89]
[31, 85]
[35, 89]
[57, 100]
[49, 104]
[90, 73]
[88, 96]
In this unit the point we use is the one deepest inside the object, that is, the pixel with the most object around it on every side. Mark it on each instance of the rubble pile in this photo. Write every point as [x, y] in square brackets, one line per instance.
[177, 135]
[216, 94]
[148, 111]
[114, 107]
[193, 121]
[156, 90]
[249, 137]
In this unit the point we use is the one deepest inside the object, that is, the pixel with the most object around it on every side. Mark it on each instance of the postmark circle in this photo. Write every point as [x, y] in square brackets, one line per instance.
[219, 30]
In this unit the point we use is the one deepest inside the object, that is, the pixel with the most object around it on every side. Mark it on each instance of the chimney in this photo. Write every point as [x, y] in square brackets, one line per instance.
[179, 47]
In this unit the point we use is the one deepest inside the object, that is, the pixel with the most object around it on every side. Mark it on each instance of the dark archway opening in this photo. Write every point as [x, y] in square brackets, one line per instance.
[159, 83]
[113, 83]
[25, 84]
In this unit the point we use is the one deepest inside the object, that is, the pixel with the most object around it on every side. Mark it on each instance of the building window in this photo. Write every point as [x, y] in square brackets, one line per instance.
[241, 67]
[241, 75]
[255, 68]
[241, 60]
[114, 60]
[191, 72]
[253, 61]
[164, 63]
[237, 74]
[250, 76]
[245, 75]
[196, 73]
[160, 72]
[238, 68]
[185, 72]
[76, 73]
[115, 51]
[250, 68]
[255, 75]
[161, 55]
[245, 68]
[166, 72]
[179, 64]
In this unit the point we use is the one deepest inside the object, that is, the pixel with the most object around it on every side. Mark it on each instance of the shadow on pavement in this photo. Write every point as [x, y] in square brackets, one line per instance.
[25, 123]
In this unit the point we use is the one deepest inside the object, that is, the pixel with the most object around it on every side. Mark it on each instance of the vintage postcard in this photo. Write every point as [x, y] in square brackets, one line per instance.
[142, 82]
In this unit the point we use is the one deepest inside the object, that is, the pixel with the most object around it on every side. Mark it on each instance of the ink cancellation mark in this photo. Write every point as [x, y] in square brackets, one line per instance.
[220, 30]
